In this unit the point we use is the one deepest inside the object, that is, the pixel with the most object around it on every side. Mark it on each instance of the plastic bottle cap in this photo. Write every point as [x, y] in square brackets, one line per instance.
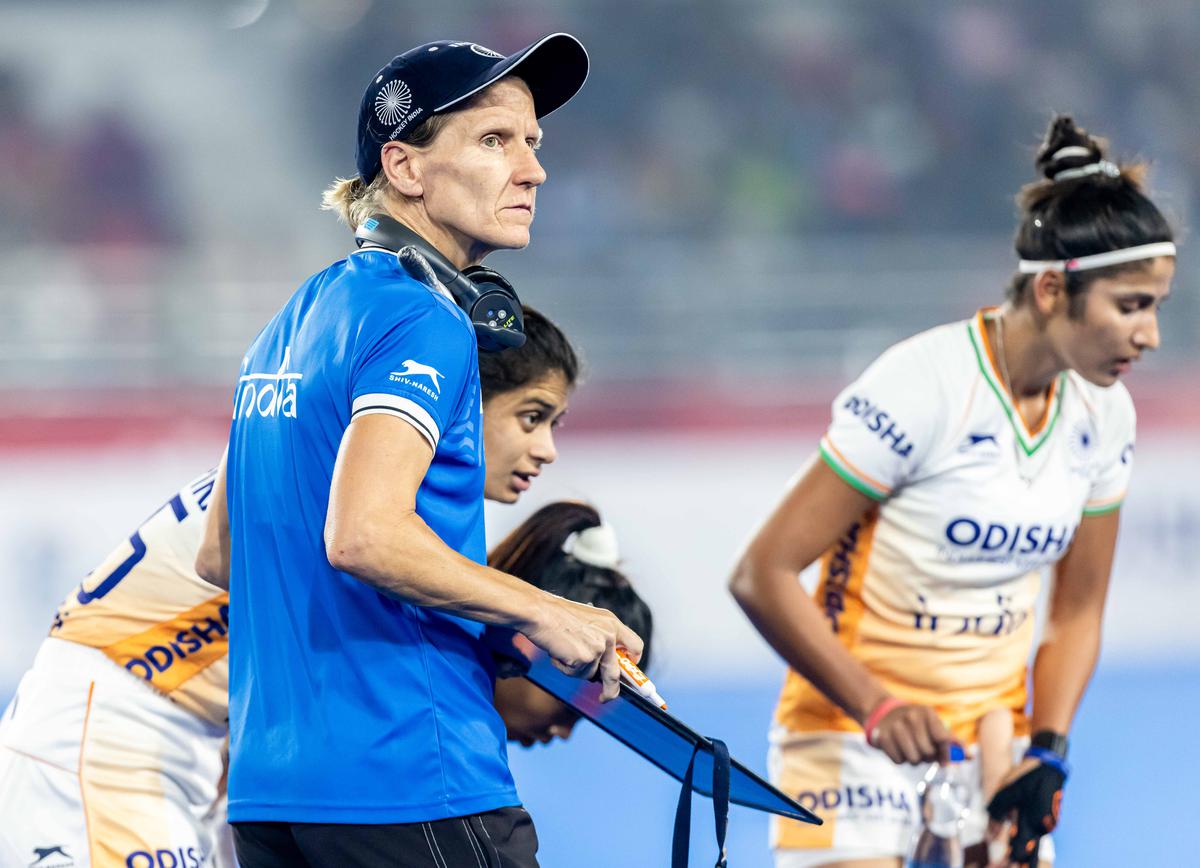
[957, 754]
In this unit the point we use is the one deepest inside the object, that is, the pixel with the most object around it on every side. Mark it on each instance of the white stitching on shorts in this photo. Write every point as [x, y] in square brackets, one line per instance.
[433, 835]
[431, 841]
[475, 848]
[490, 841]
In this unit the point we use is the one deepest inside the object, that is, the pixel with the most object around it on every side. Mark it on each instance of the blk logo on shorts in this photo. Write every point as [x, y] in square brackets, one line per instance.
[43, 857]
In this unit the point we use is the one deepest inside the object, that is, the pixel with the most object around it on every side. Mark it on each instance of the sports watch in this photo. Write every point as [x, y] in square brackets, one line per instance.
[1050, 740]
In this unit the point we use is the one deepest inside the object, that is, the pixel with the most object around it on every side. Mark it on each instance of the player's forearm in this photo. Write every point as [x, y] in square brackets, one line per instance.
[1071, 640]
[1062, 669]
[404, 559]
[792, 624]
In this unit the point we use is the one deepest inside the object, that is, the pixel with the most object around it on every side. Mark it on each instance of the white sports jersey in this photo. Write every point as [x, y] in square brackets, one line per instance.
[934, 588]
[148, 611]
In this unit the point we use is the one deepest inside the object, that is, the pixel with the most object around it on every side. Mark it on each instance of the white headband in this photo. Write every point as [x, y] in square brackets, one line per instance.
[1071, 151]
[595, 546]
[1102, 166]
[1098, 260]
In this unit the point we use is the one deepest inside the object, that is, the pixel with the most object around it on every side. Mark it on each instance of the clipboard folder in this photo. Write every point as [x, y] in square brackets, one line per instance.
[662, 739]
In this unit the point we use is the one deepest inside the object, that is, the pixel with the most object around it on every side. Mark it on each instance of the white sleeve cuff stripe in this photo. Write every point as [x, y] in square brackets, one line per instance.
[367, 411]
[411, 411]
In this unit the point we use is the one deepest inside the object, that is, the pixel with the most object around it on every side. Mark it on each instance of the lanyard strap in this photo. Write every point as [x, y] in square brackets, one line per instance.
[720, 796]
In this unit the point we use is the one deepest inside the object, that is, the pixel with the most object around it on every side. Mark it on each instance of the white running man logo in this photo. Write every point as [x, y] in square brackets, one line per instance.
[412, 369]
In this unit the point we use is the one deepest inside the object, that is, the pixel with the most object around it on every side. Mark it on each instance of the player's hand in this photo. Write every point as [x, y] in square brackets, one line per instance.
[1028, 803]
[912, 734]
[582, 641]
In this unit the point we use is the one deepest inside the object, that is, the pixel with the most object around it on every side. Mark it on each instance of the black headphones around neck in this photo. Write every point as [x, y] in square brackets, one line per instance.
[487, 298]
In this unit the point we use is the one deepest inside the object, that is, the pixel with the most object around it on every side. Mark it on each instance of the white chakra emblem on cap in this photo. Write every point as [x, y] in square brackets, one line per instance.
[393, 102]
[485, 52]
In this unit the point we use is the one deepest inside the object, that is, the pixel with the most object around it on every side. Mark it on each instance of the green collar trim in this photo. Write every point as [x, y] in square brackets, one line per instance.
[1029, 443]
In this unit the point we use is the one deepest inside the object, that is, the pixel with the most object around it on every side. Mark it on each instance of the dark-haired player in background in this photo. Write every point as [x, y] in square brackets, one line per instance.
[959, 465]
[564, 548]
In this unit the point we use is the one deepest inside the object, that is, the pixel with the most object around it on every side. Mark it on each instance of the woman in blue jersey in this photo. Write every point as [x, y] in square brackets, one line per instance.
[351, 531]
[963, 462]
[113, 748]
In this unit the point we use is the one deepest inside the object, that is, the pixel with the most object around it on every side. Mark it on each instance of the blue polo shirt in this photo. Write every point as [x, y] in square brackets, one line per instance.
[347, 706]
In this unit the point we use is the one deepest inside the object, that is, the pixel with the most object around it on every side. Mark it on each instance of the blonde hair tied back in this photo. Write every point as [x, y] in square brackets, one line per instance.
[353, 201]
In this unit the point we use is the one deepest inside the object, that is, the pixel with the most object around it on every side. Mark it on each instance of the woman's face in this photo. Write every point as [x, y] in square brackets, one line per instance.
[1119, 323]
[531, 714]
[480, 174]
[518, 435]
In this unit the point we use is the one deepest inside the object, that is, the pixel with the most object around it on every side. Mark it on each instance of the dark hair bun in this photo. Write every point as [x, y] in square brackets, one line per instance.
[1067, 146]
[1085, 204]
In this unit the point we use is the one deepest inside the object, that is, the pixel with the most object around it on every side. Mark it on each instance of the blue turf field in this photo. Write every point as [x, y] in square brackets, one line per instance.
[1128, 803]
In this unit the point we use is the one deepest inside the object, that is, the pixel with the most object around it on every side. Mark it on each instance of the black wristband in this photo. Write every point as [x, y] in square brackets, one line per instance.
[1050, 740]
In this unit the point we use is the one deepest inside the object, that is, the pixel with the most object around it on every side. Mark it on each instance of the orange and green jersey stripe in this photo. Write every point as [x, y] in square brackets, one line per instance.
[853, 476]
[1029, 439]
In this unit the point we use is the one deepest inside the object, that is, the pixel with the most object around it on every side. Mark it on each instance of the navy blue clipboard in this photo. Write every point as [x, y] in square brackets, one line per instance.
[661, 738]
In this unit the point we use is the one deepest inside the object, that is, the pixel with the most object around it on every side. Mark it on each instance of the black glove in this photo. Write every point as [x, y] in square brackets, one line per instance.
[1036, 797]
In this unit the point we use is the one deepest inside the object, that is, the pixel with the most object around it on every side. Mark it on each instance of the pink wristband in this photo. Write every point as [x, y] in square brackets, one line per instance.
[878, 713]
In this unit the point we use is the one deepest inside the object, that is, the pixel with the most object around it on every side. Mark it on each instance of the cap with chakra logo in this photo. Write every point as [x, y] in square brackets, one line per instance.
[437, 76]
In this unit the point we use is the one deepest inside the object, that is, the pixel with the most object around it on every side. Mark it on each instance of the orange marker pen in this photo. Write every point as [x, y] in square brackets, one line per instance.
[636, 678]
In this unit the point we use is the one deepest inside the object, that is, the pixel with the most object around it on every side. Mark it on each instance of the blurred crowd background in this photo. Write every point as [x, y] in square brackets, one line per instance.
[748, 201]
[831, 166]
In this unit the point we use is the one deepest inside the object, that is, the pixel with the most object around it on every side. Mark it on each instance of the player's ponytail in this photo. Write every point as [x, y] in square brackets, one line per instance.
[1083, 205]
[537, 552]
[353, 201]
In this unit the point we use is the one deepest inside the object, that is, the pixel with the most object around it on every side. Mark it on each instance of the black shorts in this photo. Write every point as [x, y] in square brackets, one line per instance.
[497, 839]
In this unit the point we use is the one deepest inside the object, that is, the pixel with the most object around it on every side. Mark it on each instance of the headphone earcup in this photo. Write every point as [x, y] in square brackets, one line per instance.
[482, 293]
[496, 313]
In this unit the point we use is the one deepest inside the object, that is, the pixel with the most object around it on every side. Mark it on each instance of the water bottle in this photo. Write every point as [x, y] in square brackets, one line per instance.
[943, 797]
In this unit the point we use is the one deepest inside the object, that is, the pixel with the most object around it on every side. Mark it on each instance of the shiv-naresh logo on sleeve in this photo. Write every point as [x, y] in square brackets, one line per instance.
[414, 369]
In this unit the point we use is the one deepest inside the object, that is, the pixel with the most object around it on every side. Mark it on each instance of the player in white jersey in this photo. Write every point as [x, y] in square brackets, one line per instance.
[958, 466]
[100, 766]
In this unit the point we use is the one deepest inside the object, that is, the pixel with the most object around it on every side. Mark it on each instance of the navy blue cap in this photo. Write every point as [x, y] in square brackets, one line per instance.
[437, 76]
